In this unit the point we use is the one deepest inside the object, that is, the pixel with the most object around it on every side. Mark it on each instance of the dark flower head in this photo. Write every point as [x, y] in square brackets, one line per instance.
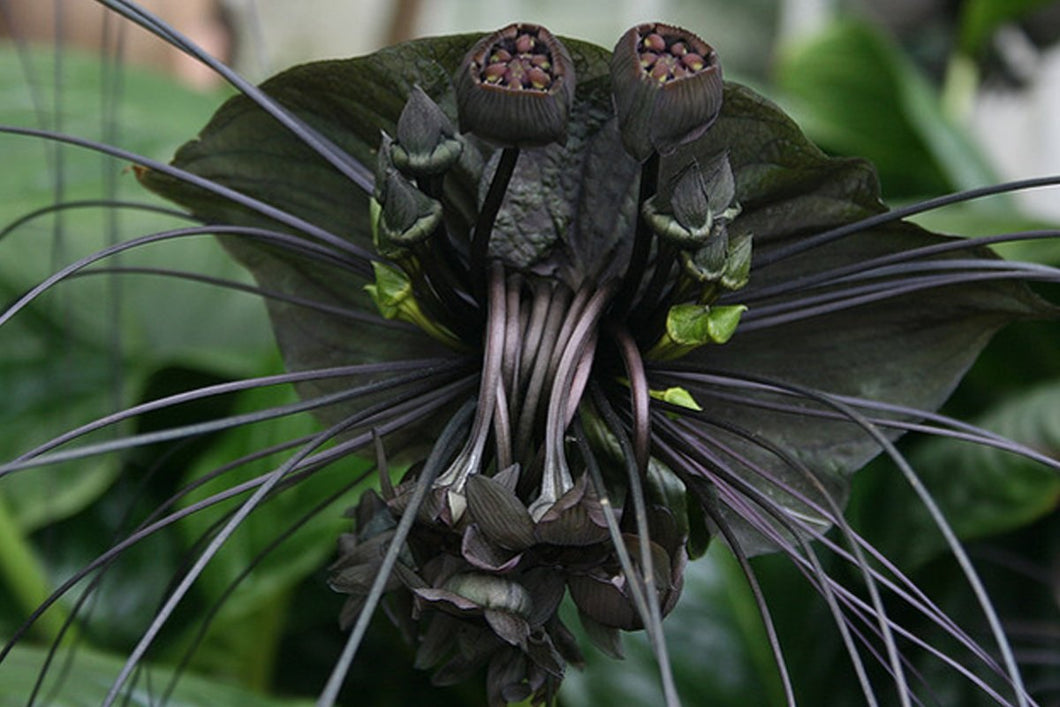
[515, 87]
[668, 88]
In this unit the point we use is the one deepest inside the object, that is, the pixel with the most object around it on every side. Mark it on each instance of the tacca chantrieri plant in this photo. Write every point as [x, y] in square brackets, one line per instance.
[565, 240]
[606, 307]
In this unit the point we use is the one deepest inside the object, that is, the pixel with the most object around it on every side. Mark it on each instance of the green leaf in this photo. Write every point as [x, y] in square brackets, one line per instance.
[979, 19]
[689, 326]
[984, 491]
[87, 678]
[264, 590]
[393, 296]
[855, 93]
[186, 320]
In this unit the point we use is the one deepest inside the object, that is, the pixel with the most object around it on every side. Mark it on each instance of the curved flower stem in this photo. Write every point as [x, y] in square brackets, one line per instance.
[556, 479]
[951, 540]
[514, 328]
[447, 441]
[24, 574]
[833, 514]
[638, 384]
[480, 241]
[547, 343]
[695, 481]
[469, 461]
[760, 602]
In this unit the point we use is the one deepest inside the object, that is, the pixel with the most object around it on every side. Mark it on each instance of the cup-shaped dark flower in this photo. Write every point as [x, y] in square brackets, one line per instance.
[515, 87]
[667, 86]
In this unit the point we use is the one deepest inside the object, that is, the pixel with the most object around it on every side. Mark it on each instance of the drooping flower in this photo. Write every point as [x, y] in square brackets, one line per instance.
[654, 315]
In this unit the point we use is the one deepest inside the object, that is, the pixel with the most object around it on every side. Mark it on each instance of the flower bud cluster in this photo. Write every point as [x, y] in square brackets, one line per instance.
[692, 212]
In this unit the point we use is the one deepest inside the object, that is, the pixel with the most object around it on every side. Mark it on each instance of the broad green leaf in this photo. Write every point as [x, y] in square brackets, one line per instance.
[979, 19]
[304, 552]
[86, 679]
[985, 491]
[188, 321]
[853, 91]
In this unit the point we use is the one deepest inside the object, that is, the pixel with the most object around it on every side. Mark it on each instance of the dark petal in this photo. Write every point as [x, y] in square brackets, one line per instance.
[449, 602]
[604, 600]
[481, 552]
[436, 642]
[358, 553]
[565, 642]
[499, 513]
[546, 587]
[544, 654]
[661, 563]
[509, 627]
[576, 519]
[505, 679]
[457, 670]
[605, 638]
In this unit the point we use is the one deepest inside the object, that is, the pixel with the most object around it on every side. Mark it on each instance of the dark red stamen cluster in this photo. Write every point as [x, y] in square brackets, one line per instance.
[669, 57]
[520, 62]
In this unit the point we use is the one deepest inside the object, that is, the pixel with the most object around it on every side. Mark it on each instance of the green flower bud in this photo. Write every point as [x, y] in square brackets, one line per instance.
[515, 87]
[667, 86]
[426, 140]
[409, 216]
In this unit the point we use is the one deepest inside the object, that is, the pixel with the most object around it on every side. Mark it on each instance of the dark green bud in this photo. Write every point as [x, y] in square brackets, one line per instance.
[695, 206]
[667, 86]
[409, 216]
[384, 163]
[427, 142]
[515, 87]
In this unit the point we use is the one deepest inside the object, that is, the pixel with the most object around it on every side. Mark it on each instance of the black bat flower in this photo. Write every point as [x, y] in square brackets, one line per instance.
[606, 308]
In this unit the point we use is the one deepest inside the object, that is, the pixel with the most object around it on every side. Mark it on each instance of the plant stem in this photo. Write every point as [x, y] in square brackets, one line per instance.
[24, 575]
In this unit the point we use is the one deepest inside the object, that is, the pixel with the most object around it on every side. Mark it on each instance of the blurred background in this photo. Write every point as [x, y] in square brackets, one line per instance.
[941, 95]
